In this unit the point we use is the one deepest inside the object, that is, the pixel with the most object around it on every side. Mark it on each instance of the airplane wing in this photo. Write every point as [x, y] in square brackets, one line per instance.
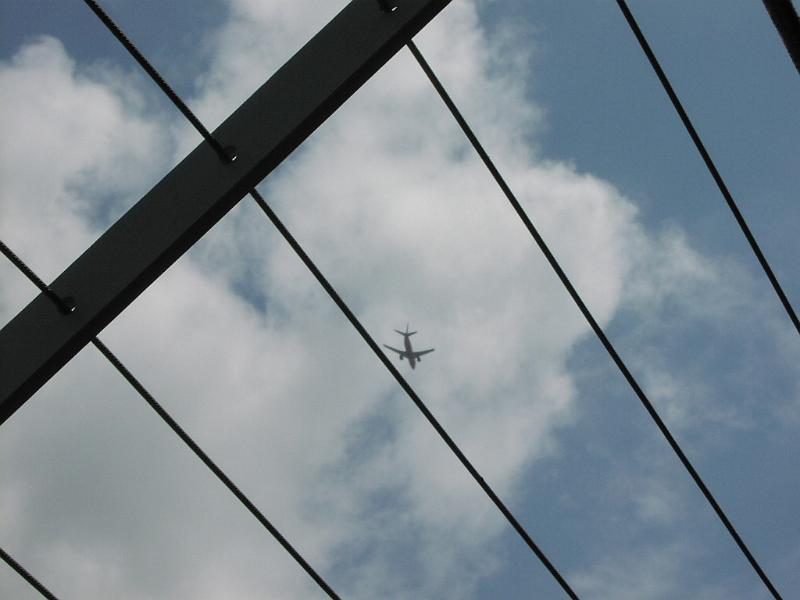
[421, 352]
[400, 352]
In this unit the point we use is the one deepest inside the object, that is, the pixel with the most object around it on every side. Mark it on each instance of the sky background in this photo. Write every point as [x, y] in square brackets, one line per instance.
[99, 499]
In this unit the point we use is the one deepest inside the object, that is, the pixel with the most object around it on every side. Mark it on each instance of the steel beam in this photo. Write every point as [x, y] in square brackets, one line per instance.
[198, 192]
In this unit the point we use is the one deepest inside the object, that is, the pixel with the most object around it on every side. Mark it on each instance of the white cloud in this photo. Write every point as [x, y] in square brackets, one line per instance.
[61, 131]
[392, 203]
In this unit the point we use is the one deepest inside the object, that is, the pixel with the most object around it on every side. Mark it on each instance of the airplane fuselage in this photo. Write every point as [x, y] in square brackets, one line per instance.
[412, 361]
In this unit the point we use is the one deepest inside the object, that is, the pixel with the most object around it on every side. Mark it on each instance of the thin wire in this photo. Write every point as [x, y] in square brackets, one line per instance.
[64, 305]
[709, 163]
[226, 154]
[212, 466]
[588, 315]
[26, 576]
[186, 438]
[411, 393]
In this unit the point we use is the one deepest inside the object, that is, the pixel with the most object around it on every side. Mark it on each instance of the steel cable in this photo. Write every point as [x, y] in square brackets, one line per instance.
[225, 154]
[178, 430]
[712, 169]
[412, 394]
[587, 314]
[64, 305]
[35, 583]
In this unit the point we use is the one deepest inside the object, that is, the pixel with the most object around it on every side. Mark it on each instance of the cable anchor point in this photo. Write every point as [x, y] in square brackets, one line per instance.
[388, 6]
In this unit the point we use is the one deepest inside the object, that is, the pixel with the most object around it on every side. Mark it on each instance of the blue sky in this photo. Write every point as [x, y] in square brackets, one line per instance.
[242, 346]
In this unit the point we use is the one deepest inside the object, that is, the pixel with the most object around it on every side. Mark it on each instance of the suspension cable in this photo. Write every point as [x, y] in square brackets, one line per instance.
[185, 437]
[65, 305]
[26, 576]
[212, 466]
[337, 299]
[586, 313]
[226, 154]
[723, 188]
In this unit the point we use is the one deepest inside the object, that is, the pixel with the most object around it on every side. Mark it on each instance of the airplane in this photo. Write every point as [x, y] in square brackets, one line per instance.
[409, 353]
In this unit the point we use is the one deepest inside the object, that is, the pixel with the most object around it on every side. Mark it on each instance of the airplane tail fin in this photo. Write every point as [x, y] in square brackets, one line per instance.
[405, 333]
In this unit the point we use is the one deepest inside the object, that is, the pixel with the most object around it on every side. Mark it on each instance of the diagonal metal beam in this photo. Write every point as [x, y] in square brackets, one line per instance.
[198, 192]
